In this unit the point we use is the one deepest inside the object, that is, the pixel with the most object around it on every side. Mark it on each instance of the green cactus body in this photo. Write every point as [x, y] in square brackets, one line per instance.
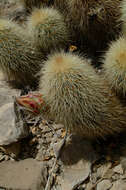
[115, 66]
[78, 98]
[48, 30]
[19, 61]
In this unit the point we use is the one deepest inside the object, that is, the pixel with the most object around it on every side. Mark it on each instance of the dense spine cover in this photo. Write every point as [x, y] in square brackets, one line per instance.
[47, 28]
[78, 97]
[19, 61]
[115, 66]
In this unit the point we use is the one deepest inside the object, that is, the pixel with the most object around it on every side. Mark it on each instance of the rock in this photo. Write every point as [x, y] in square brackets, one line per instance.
[119, 185]
[123, 163]
[23, 175]
[109, 173]
[6, 93]
[75, 175]
[77, 157]
[104, 185]
[103, 169]
[118, 169]
[12, 127]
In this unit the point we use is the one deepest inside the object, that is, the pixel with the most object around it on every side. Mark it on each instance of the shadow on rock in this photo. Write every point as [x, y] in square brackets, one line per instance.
[78, 149]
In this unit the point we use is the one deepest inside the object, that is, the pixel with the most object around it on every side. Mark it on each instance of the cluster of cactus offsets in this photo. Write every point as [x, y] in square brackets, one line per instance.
[86, 102]
[115, 66]
[78, 98]
[48, 30]
[19, 61]
[97, 21]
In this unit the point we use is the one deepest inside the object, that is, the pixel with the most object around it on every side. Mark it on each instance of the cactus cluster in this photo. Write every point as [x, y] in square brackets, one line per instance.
[95, 22]
[77, 96]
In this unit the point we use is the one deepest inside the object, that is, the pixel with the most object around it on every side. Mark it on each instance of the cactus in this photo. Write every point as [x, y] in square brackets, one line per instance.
[61, 5]
[47, 29]
[30, 4]
[78, 98]
[123, 16]
[94, 23]
[115, 66]
[19, 61]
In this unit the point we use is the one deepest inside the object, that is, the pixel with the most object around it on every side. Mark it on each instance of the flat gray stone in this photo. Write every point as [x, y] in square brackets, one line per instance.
[11, 127]
[104, 185]
[119, 185]
[27, 174]
[75, 175]
[6, 93]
